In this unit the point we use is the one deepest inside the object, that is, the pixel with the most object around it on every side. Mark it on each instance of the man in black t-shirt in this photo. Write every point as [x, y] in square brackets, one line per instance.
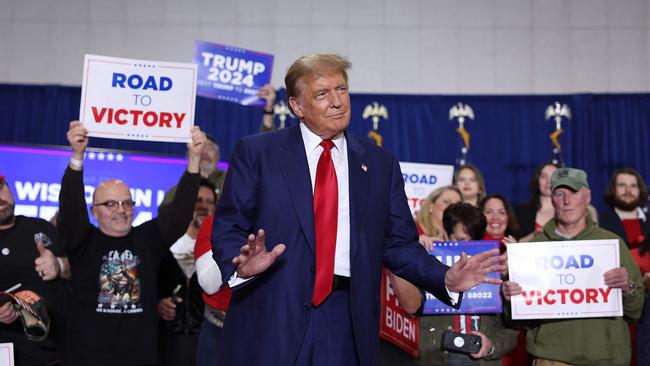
[113, 319]
[28, 259]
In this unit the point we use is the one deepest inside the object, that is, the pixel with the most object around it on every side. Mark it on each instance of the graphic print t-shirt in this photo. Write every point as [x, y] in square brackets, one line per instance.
[113, 312]
[119, 285]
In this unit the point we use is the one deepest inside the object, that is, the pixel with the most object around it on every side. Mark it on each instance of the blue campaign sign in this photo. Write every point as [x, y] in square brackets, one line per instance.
[231, 74]
[34, 176]
[481, 299]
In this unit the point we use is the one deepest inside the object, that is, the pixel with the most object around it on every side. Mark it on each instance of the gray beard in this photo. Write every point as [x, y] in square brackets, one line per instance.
[207, 169]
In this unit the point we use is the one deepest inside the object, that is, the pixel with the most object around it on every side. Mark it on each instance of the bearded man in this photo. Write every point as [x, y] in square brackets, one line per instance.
[626, 196]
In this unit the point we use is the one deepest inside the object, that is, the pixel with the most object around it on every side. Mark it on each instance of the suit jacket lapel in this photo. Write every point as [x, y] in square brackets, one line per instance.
[295, 170]
[359, 189]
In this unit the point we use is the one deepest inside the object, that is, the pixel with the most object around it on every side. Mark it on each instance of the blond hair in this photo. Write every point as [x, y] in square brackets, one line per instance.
[318, 64]
[424, 215]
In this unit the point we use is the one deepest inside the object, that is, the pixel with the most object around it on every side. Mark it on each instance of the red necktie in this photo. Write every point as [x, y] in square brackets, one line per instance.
[326, 208]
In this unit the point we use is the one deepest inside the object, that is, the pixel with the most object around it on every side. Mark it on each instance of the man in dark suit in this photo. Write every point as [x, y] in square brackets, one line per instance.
[336, 202]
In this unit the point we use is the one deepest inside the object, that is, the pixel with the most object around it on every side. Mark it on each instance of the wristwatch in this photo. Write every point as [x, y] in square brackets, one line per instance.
[631, 289]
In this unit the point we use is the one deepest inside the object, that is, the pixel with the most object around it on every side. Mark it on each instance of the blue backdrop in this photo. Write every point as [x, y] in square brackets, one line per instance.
[509, 137]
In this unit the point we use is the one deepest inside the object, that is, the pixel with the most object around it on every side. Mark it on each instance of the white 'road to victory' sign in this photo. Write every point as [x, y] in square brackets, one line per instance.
[564, 279]
[137, 99]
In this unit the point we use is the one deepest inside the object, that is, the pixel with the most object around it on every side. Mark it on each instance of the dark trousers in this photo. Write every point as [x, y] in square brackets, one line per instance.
[643, 335]
[177, 349]
[329, 339]
[206, 354]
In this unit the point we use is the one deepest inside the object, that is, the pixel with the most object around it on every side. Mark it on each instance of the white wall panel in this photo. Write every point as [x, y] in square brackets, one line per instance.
[439, 61]
[627, 55]
[401, 71]
[588, 13]
[550, 59]
[551, 13]
[627, 13]
[457, 46]
[589, 60]
[513, 61]
[513, 13]
[476, 61]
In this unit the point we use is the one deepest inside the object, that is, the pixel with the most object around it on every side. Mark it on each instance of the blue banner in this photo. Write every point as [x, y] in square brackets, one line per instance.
[482, 299]
[34, 175]
[231, 74]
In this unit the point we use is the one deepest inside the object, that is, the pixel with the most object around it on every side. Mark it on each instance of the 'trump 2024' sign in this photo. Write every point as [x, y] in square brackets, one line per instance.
[232, 74]
[137, 99]
[564, 279]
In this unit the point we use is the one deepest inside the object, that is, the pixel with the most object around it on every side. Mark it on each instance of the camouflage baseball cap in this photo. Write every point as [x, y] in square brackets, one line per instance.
[569, 177]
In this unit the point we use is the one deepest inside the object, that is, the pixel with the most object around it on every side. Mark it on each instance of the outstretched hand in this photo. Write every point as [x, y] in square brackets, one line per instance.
[253, 257]
[471, 271]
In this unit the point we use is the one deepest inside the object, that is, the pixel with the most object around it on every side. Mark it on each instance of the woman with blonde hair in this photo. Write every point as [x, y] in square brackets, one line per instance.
[429, 218]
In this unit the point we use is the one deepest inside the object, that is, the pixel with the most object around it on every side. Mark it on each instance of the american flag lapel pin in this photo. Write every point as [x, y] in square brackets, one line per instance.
[364, 167]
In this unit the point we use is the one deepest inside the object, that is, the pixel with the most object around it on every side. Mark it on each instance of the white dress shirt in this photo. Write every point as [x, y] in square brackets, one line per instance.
[340, 160]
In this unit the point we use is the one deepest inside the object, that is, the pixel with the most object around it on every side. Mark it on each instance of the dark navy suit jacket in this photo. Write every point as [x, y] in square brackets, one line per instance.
[268, 186]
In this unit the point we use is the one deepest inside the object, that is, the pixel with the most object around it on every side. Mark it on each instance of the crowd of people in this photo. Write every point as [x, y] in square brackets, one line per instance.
[230, 271]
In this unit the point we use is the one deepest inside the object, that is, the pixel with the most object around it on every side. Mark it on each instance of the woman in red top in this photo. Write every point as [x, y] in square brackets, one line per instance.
[501, 220]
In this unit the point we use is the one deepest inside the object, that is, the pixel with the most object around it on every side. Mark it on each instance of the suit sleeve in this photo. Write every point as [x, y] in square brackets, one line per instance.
[236, 209]
[403, 254]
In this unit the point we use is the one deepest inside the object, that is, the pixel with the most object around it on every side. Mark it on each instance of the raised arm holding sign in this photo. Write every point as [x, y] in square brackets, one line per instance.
[115, 266]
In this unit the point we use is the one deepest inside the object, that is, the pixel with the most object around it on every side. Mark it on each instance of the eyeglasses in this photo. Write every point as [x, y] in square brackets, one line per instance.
[113, 205]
